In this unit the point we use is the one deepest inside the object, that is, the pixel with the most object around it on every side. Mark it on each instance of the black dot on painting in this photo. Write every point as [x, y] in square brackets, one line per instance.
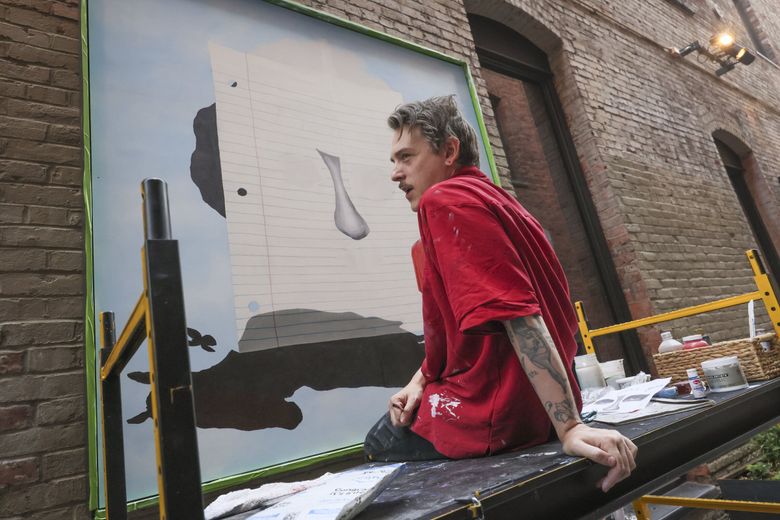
[242, 192]
[234, 84]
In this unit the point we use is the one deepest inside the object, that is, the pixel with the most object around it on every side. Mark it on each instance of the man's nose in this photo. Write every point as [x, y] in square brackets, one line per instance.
[396, 175]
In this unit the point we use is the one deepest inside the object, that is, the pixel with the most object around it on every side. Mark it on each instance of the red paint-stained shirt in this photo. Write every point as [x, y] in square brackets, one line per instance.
[486, 260]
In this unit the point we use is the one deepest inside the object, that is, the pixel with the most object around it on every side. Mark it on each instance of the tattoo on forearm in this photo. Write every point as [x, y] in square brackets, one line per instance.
[562, 411]
[535, 346]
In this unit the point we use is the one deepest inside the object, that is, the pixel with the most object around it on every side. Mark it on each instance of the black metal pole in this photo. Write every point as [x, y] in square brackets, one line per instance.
[157, 218]
[174, 414]
[113, 440]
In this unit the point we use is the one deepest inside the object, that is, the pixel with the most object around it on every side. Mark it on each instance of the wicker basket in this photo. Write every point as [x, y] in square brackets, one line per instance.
[757, 364]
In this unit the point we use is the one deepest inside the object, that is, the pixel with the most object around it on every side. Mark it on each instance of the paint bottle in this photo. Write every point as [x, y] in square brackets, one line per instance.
[668, 343]
[694, 341]
[697, 387]
[589, 371]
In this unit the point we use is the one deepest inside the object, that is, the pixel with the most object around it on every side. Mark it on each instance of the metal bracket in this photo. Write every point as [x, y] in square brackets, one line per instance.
[474, 507]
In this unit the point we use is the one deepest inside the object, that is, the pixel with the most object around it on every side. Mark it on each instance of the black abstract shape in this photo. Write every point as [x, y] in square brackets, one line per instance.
[143, 378]
[198, 340]
[139, 377]
[249, 390]
[205, 165]
[146, 414]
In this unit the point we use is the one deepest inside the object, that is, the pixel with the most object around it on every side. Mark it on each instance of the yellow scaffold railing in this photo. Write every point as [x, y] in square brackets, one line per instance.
[763, 292]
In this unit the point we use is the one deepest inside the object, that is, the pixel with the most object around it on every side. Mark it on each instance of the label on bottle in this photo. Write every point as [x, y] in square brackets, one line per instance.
[697, 387]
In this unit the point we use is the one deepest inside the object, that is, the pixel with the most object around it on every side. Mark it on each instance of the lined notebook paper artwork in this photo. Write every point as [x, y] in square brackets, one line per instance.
[315, 226]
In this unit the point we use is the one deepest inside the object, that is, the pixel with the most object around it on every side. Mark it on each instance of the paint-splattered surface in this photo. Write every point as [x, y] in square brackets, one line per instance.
[420, 489]
[426, 489]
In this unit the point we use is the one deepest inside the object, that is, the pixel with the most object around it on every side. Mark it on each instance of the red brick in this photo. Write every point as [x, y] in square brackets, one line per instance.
[36, 440]
[45, 215]
[15, 417]
[42, 112]
[23, 35]
[11, 363]
[69, 410]
[20, 471]
[42, 22]
[65, 44]
[42, 6]
[65, 260]
[40, 387]
[43, 152]
[67, 175]
[15, 309]
[29, 308]
[11, 214]
[44, 496]
[53, 96]
[45, 57]
[41, 195]
[12, 89]
[19, 260]
[29, 284]
[65, 79]
[55, 359]
[26, 73]
[42, 237]
[21, 128]
[65, 11]
[64, 134]
[63, 463]
[65, 308]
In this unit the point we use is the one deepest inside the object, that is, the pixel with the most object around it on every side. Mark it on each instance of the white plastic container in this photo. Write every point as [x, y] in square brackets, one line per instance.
[724, 374]
[588, 371]
[668, 343]
[612, 371]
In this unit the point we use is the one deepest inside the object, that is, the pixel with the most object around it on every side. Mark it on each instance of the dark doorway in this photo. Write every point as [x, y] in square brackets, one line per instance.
[736, 170]
[546, 175]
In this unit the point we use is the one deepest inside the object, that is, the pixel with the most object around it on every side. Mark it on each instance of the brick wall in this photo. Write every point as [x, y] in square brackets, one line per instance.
[642, 122]
[43, 469]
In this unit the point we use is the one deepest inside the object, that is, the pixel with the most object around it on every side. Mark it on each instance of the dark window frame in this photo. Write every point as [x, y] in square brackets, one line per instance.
[613, 289]
[735, 169]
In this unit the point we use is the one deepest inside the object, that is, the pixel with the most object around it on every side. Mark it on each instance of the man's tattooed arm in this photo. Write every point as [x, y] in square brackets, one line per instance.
[543, 366]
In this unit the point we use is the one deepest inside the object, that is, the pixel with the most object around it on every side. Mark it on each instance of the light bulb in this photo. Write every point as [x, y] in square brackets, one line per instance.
[725, 39]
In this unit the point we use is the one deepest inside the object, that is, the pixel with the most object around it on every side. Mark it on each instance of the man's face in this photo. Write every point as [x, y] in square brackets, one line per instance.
[416, 166]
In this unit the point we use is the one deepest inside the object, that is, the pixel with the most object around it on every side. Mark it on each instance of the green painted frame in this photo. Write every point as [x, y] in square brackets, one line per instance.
[89, 319]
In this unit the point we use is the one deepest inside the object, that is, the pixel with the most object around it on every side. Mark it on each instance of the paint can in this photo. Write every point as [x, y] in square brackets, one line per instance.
[724, 374]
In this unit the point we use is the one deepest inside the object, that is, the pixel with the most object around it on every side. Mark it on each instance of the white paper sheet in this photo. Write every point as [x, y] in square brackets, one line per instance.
[626, 400]
[340, 498]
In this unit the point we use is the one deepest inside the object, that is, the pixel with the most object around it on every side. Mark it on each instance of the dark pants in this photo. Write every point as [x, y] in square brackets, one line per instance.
[388, 443]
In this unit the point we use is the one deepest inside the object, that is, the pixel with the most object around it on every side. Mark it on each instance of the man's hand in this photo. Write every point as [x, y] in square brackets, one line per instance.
[405, 402]
[544, 368]
[606, 447]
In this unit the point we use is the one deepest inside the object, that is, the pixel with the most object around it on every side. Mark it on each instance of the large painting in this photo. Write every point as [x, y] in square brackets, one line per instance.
[268, 124]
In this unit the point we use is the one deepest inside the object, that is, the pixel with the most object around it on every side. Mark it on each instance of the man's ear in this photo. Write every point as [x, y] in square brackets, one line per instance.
[451, 150]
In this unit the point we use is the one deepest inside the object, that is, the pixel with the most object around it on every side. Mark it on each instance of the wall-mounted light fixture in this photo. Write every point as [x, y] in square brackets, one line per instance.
[722, 49]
